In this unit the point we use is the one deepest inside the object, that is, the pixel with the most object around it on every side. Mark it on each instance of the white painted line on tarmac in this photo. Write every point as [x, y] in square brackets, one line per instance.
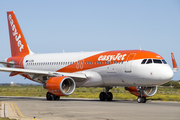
[2, 110]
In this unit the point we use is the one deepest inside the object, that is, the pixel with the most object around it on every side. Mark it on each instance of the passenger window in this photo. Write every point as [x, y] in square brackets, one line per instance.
[164, 61]
[157, 61]
[149, 61]
[144, 61]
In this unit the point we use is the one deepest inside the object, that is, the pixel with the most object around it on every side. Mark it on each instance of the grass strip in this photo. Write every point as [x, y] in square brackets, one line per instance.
[163, 93]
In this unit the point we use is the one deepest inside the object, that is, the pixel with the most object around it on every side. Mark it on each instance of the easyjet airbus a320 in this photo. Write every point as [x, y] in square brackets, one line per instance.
[138, 71]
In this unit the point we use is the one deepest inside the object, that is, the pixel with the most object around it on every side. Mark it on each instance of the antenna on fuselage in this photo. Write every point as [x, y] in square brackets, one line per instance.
[63, 51]
[140, 48]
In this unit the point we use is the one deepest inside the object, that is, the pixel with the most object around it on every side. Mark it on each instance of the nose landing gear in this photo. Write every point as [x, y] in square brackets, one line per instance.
[106, 95]
[141, 98]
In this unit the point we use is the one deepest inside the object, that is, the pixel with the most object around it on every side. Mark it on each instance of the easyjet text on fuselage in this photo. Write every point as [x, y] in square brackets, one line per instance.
[119, 56]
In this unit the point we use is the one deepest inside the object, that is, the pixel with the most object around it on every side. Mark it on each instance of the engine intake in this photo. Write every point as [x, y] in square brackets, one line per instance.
[150, 91]
[60, 86]
[147, 91]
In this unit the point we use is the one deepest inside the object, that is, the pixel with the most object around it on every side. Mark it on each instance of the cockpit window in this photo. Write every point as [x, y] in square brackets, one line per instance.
[149, 61]
[144, 61]
[164, 61]
[157, 61]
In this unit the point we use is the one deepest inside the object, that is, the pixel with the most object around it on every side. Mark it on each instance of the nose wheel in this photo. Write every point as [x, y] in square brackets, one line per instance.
[141, 99]
[106, 95]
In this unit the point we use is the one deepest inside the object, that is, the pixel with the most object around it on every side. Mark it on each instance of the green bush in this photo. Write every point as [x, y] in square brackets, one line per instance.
[176, 85]
[173, 83]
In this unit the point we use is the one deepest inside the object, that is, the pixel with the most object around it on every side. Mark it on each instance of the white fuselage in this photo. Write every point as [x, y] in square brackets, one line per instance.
[119, 73]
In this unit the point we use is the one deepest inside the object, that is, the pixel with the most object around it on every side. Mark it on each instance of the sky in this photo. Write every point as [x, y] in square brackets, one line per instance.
[81, 25]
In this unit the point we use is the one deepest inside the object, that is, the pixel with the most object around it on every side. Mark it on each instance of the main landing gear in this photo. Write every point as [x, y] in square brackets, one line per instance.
[141, 98]
[50, 96]
[106, 95]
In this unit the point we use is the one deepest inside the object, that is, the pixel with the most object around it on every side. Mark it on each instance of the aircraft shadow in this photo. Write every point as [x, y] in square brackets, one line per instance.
[23, 98]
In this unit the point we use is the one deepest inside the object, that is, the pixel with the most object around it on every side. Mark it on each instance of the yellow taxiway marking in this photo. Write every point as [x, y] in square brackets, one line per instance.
[18, 112]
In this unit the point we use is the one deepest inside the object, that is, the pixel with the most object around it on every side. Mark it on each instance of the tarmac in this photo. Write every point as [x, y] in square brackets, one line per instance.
[38, 108]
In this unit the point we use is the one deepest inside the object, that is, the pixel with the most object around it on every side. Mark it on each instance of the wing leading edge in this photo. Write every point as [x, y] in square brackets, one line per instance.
[78, 76]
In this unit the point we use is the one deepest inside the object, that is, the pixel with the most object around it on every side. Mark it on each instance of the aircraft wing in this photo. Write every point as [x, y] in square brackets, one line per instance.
[6, 63]
[77, 76]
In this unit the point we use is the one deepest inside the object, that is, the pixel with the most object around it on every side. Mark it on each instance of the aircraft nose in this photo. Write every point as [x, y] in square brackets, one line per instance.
[167, 73]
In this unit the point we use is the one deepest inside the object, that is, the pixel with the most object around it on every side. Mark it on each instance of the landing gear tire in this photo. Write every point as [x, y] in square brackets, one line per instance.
[109, 96]
[106, 95]
[50, 96]
[102, 96]
[144, 100]
[56, 97]
[141, 99]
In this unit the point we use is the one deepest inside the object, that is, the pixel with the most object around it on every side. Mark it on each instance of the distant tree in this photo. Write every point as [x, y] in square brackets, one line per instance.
[173, 83]
[170, 83]
[177, 85]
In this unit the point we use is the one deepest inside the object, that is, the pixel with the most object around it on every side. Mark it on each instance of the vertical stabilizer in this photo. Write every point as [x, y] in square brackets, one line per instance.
[19, 46]
[175, 66]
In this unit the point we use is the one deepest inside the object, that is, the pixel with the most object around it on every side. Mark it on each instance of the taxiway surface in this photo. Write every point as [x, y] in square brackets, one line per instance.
[86, 109]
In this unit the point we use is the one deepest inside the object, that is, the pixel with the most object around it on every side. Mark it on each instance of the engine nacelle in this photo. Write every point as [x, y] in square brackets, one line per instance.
[60, 86]
[147, 91]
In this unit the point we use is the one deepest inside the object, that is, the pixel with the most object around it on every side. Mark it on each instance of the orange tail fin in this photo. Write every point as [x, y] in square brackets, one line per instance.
[175, 66]
[19, 46]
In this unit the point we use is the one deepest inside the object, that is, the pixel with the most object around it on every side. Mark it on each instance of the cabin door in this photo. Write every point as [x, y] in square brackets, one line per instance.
[128, 65]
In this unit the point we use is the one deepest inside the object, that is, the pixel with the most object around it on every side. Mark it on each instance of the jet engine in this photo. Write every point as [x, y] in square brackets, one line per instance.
[60, 86]
[147, 91]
